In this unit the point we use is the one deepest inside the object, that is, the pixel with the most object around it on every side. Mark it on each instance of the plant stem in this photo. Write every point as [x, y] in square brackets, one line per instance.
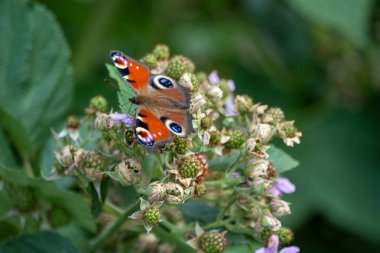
[108, 232]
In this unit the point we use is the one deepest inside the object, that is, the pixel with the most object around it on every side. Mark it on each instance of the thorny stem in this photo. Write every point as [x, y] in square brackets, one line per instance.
[109, 231]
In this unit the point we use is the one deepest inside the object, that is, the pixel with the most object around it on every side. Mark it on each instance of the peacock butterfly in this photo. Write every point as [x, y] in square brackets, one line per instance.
[163, 104]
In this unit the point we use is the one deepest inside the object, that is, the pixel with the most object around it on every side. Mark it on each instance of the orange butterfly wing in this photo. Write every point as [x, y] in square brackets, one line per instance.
[132, 71]
[150, 130]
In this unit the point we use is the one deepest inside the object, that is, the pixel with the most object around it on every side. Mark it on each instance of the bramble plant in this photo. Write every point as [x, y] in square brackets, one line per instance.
[223, 180]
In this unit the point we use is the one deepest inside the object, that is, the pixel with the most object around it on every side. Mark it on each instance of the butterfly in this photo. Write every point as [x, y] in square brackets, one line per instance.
[163, 104]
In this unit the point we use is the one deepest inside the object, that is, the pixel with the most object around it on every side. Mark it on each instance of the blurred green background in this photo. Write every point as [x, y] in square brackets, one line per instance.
[317, 59]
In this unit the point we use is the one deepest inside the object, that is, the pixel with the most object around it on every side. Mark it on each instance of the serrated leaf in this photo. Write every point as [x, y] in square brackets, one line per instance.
[125, 91]
[281, 160]
[35, 74]
[43, 242]
[350, 17]
[47, 191]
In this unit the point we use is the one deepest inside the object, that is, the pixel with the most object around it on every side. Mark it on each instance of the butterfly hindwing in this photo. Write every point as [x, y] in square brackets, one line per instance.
[177, 121]
[132, 71]
[166, 88]
[150, 130]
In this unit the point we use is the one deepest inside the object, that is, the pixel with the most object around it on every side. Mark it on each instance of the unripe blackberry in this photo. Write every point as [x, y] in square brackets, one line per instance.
[129, 137]
[161, 52]
[151, 216]
[206, 123]
[274, 115]
[150, 60]
[213, 242]
[179, 65]
[223, 85]
[289, 131]
[201, 76]
[72, 122]
[285, 235]
[189, 167]
[215, 138]
[237, 138]
[58, 217]
[22, 198]
[99, 104]
[200, 190]
[182, 145]
[94, 161]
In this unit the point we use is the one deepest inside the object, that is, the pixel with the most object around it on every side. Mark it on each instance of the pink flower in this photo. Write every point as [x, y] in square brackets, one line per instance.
[273, 244]
[213, 78]
[282, 185]
[126, 119]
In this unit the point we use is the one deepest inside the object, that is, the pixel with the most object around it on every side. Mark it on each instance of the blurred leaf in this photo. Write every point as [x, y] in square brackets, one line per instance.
[71, 202]
[350, 17]
[125, 91]
[43, 242]
[199, 211]
[35, 74]
[340, 173]
[6, 157]
[181, 246]
[281, 160]
[222, 163]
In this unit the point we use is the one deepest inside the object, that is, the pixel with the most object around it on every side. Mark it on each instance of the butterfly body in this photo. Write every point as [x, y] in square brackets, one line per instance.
[163, 104]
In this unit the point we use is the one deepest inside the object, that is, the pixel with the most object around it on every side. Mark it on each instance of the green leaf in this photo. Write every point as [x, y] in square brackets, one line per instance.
[6, 157]
[47, 191]
[350, 17]
[43, 242]
[181, 246]
[35, 74]
[281, 160]
[199, 211]
[125, 91]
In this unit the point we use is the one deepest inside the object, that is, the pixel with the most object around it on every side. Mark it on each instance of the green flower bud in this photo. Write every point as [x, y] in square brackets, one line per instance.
[94, 161]
[161, 52]
[98, 104]
[206, 123]
[22, 198]
[285, 235]
[151, 216]
[73, 122]
[200, 190]
[237, 138]
[223, 85]
[179, 65]
[274, 116]
[213, 242]
[289, 131]
[58, 217]
[243, 103]
[215, 138]
[202, 77]
[189, 167]
[189, 81]
[182, 145]
[129, 137]
[150, 60]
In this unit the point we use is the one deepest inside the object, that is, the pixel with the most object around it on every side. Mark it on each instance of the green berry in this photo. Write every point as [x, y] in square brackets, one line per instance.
[182, 145]
[223, 85]
[201, 76]
[213, 242]
[99, 104]
[189, 167]
[179, 65]
[72, 122]
[95, 161]
[237, 138]
[200, 190]
[290, 131]
[194, 83]
[129, 137]
[161, 52]
[152, 216]
[277, 114]
[215, 138]
[22, 198]
[58, 217]
[206, 123]
[285, 235]
[150, 60]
